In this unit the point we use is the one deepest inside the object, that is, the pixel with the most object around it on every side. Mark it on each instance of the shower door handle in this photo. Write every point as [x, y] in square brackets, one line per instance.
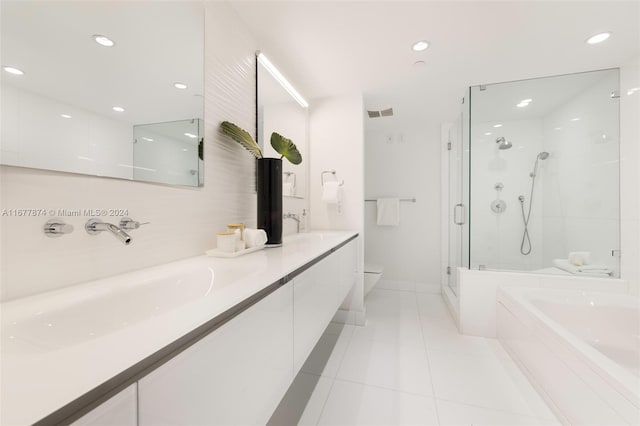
[459, 208]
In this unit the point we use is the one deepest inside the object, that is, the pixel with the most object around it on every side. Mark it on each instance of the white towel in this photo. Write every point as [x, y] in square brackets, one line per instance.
[288, 189]
[580, 258]
[603, 271]
[332, 192]
[388, 212]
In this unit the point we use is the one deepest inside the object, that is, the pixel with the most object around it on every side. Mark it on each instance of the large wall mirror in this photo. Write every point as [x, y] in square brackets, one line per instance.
[128, 104]
[279, 112]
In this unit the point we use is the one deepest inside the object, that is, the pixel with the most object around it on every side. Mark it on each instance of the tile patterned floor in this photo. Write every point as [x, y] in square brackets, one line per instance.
[409, 366]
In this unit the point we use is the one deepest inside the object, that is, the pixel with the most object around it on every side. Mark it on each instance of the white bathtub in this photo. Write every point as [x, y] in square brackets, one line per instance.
[581, 350]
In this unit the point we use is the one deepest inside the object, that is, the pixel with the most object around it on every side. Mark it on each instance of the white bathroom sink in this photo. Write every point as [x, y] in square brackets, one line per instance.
[108, 307]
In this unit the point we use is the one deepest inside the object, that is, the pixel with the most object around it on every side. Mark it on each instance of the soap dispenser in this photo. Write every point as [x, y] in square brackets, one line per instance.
[304, 219]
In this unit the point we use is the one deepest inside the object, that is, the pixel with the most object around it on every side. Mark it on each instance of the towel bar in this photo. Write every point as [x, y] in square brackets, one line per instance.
[409, 200]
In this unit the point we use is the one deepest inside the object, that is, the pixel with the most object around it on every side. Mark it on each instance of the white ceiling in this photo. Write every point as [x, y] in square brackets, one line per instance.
[332, 48]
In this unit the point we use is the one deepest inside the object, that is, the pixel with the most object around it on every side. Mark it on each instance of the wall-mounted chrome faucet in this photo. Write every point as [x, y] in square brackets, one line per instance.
[57, 228]
[96, 226]
[294, 217]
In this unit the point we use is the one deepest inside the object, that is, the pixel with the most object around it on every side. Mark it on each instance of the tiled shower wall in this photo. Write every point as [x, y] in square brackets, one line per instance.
[183, 220]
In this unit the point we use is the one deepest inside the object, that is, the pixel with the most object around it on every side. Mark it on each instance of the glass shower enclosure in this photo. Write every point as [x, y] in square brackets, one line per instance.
[536, 165]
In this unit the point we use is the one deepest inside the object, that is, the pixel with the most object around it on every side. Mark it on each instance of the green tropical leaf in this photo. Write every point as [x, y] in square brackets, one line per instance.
[242, 137]
[286, 148]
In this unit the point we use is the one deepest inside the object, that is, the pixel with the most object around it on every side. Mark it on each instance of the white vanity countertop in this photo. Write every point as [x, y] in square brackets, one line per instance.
[57, 346]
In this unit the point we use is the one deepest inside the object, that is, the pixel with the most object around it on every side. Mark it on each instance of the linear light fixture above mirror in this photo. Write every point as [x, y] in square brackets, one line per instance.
[280, 79]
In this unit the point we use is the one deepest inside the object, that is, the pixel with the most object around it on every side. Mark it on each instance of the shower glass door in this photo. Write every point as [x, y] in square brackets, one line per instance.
[544, 171]
[458, 194]
[455, 200]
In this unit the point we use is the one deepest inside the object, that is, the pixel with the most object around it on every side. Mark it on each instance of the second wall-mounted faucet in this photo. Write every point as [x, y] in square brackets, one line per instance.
[96, 226]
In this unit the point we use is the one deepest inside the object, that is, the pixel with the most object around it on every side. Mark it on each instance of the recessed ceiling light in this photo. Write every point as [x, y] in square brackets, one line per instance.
[147, 139]
[488, 134]
[104, 40]
[118, 109]
[632, 91]
[65, 116]
[523, 103]
[419, 63]
[575, 119]
[419, 46]
[497, 125]
[598, 38]
[180, 85]
[14, 71]
[191, 135]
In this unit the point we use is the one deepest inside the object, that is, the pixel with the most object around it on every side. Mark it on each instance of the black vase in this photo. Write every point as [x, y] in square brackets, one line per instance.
[269, 190]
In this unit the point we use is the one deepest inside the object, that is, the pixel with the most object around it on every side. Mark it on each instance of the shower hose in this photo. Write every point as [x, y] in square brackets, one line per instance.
[526, 240]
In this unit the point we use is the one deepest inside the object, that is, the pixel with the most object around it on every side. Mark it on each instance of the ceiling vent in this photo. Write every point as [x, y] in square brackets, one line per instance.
[384, 113]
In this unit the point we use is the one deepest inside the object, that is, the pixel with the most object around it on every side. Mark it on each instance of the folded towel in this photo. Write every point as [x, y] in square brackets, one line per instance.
[288, 189]
[388, 212]
[594, 267]
[332, 192]
[580, 258]
[603, 271]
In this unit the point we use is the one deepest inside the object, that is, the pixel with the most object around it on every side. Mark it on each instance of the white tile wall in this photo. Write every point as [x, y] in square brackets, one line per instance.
[495, 238]
[402, 159]
[336, 141]
[183, 220]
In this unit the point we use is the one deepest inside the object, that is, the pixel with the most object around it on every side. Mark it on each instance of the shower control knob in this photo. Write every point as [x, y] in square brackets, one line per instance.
[498, 206]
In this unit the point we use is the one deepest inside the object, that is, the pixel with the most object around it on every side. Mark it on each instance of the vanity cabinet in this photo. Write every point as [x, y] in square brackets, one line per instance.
[318, 292]
[239, 373]
[235, 375]
[121, 410]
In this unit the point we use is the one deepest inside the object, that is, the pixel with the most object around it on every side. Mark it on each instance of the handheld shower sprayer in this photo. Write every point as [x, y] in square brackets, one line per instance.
[541, 156]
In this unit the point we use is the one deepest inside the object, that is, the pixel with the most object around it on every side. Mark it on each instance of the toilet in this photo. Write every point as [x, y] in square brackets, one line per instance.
[372, 274]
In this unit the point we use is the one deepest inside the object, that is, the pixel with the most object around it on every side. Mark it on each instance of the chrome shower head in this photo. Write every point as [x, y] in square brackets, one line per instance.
[503, 143]
[543, 155]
